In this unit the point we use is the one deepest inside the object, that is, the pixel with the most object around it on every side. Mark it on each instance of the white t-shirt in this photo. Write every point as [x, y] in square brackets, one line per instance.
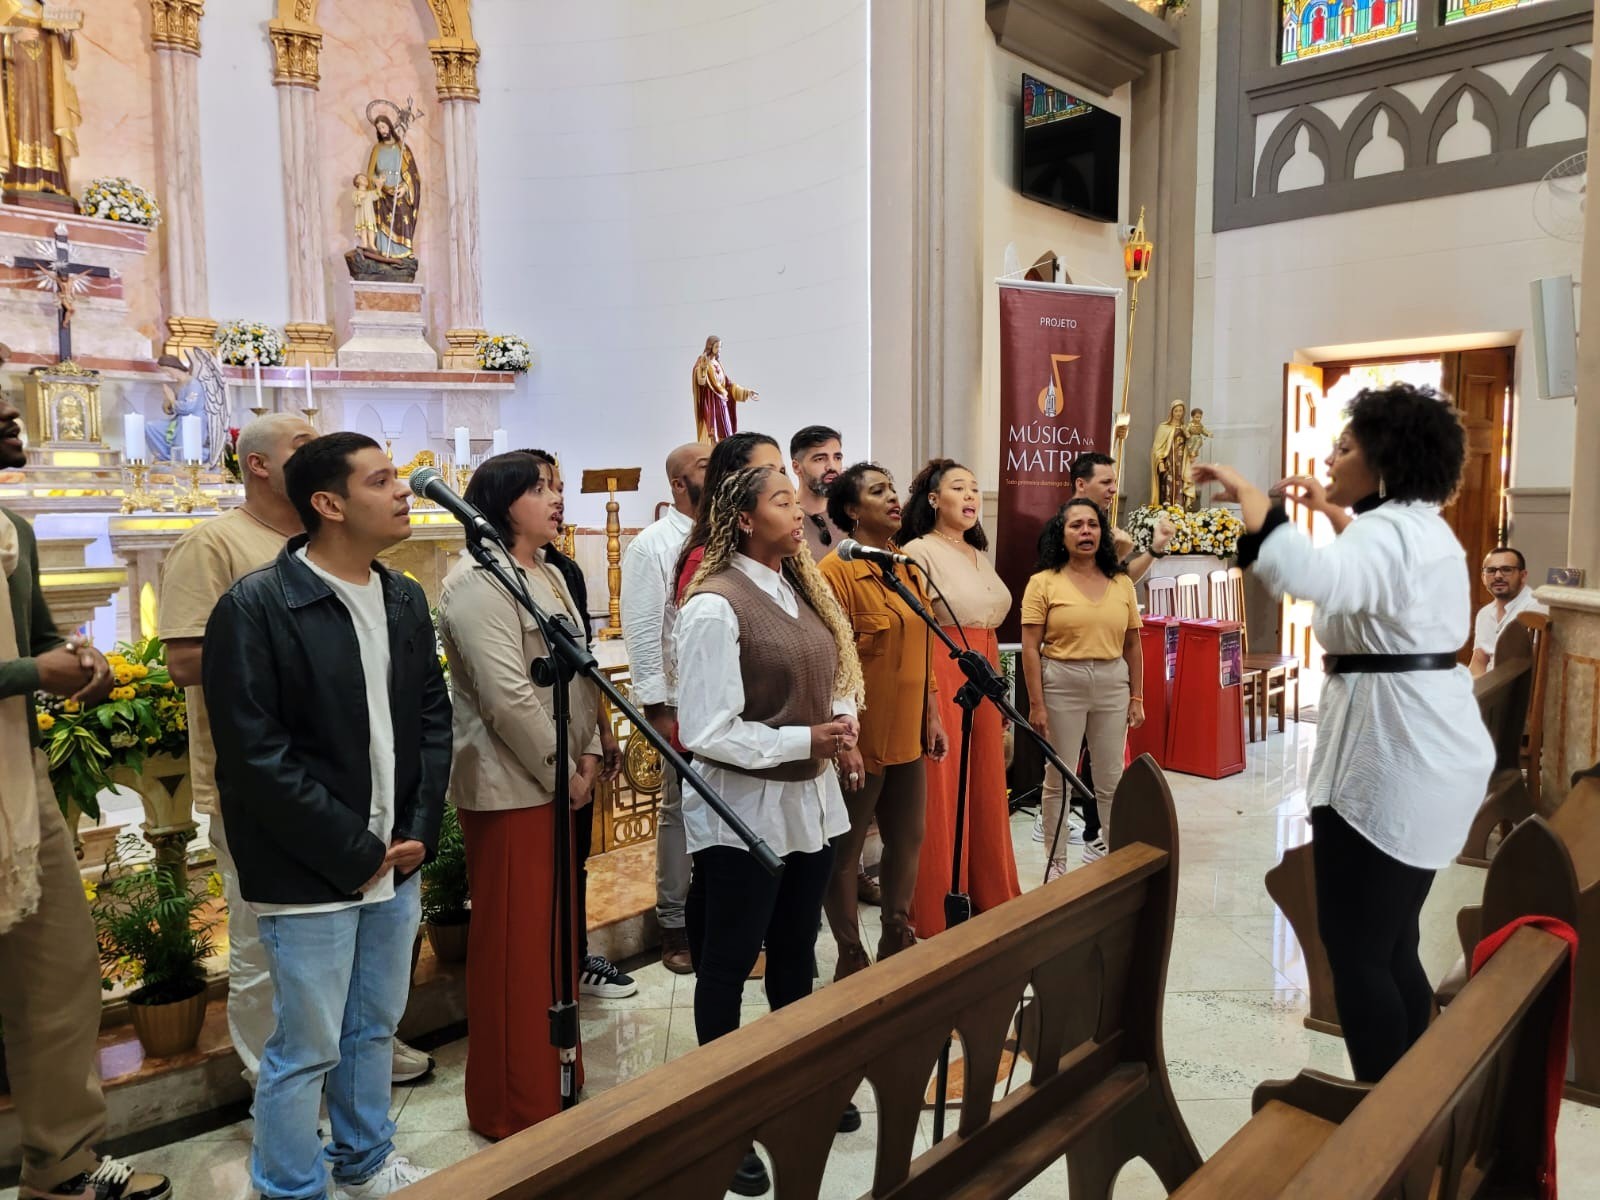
[1487, 627]
[364, 601]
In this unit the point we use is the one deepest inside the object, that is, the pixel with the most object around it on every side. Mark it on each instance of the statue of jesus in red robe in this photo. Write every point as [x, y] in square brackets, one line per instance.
[715, 395]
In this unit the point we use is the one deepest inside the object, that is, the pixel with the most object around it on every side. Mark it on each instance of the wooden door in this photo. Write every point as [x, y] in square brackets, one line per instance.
[1479, 381]
[1307, 434]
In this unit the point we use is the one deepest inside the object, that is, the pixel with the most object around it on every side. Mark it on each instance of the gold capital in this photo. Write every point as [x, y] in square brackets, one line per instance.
[455, 61]
[295, 48]
[175, 24]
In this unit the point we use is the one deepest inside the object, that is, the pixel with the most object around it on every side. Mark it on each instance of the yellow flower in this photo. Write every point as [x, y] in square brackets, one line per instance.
[123, 675]
[213, 884]
[90, 891]
[71, 706]
[122, 693]
[139, 670]
[46, 721]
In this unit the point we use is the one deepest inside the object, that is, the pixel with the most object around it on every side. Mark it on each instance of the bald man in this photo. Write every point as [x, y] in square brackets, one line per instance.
[647, 612]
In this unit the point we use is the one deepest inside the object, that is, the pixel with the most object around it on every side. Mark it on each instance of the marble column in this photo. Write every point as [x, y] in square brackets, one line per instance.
[175, 41]
[1583, 538]
[927, 172]
[295, 49]
[455, 62]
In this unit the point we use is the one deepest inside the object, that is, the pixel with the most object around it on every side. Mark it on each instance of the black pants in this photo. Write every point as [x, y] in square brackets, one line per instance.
[1367, 910]
[582, 842]
[734, 905]
[1089, 809]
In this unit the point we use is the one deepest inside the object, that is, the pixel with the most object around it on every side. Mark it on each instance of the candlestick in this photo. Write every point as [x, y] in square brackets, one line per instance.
[133, 437]
[463, 477]
[502, 441]
[137, 498]
[463, 446]
[194, 498]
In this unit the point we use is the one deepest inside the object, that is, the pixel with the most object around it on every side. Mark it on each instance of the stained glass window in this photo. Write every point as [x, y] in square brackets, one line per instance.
[1462, 10]
[1312, 27]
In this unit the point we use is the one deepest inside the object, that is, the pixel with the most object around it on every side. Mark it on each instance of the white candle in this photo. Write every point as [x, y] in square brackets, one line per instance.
[259, 404]
[311, 401]
[133, 437]
[502, 441]
[463, 446]
[190, 435]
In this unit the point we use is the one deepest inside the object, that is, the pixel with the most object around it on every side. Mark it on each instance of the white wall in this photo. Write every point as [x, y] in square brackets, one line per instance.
[654, 173]
[246, 238]
[1090, 250]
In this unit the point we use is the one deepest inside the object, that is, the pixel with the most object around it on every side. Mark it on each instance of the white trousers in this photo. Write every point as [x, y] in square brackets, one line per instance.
[1088, 696]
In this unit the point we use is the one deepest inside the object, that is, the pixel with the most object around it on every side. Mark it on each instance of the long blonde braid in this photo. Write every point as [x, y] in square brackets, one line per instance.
[739, 493]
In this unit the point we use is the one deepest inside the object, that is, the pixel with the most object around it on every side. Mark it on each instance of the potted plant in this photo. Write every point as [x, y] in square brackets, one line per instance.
[446, 907]
[154, 939]
[137, 738]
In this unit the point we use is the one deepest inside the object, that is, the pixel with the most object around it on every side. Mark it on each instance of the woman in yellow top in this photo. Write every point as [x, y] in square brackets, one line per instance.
[884, 776]
[1080, 649]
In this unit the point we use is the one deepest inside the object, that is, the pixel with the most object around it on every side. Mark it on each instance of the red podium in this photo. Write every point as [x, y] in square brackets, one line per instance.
[1205, 731]
[1159, 640]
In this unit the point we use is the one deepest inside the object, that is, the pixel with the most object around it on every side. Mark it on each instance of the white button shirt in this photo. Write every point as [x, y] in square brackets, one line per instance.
[648, 585]
[1404, 758]
[797, 817]
[1489, 626]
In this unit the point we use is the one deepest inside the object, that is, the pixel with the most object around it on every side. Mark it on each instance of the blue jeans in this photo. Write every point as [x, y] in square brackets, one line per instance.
[340, 982]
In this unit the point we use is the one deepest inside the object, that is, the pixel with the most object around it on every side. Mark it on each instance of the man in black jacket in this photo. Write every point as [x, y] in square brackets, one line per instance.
[332, 727]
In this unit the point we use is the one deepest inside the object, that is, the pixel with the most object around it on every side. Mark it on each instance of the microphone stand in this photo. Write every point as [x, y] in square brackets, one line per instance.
[983, 683]
[569, 658]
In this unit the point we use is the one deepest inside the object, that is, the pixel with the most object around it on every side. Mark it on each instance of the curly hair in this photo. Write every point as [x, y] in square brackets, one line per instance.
[739, 493]
[845, 490]
[918, 518]
[1053, 552]
[1412, 440]
[727, 456]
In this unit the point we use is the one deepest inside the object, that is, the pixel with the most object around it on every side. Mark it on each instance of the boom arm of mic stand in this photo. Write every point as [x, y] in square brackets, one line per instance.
[984, 680]
[576, 660]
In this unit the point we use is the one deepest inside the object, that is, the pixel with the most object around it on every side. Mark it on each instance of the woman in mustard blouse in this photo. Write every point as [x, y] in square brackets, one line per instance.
[1080, 649]
[885, 775]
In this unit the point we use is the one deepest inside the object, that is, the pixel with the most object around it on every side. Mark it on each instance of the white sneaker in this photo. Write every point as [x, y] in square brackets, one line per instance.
[410, 1064]
[1055, 870]
[1095, 850]
[397, 1172]
[1038, 826]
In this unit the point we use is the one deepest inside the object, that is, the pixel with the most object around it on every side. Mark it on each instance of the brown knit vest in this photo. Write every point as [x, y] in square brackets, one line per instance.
[787, 666]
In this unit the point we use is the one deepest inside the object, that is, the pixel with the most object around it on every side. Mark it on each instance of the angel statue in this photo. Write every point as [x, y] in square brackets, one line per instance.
[193, 389]
[715, 395]
[1195, 437]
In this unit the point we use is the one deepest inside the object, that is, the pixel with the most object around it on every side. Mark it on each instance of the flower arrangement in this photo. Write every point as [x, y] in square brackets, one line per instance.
[250, 344]
[144, 715]
[504, 352]
[151, 935]
[1213, 531]
[230, 455]
[119, 199]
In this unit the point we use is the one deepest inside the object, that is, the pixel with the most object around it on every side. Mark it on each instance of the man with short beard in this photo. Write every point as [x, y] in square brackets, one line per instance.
[1505, 575]
[647, 613]
[49, 968]
[816, 456]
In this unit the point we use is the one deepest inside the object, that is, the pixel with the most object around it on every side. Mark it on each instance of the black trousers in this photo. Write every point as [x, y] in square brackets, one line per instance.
[1367, 910]
[582, 843]
[733, 906]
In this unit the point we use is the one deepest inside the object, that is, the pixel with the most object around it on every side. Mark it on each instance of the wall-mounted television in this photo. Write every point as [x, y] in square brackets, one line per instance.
[1068, 151]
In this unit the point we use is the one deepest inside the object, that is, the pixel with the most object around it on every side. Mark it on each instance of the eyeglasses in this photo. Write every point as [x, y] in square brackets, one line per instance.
[1501, 570]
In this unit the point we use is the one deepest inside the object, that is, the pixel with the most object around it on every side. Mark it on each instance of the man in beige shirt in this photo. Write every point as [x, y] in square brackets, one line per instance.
[205, 563]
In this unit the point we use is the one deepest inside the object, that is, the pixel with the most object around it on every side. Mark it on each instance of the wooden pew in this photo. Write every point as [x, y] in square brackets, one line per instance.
[1577, 824]
[1093, 945]
[1504, 698]
[1460, 1115]
[1503, 703]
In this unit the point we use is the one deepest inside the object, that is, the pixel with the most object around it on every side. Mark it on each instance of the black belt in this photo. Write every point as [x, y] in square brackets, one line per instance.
[1386, 664]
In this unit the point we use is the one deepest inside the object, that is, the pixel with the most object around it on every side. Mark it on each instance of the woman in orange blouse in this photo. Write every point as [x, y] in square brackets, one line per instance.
[940, 531]
[884, 775]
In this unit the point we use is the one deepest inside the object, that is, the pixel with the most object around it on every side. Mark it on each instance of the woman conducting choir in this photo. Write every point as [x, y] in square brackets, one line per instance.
[502, 783]
[1080, 655]
[940, 530]
[884, 776]
[1402, 757]
[768, 688]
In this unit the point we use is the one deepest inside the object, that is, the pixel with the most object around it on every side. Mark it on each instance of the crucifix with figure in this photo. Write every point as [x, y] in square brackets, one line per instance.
[58, 273]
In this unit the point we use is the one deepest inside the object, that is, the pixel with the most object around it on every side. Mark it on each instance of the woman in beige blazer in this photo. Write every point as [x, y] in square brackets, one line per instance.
[502, 782]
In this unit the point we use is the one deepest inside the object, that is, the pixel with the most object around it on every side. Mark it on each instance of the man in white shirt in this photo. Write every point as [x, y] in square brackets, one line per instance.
[647, 616]
[1505, 574]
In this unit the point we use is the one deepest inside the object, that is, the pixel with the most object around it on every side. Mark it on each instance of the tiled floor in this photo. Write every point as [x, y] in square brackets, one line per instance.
[1233, 1016]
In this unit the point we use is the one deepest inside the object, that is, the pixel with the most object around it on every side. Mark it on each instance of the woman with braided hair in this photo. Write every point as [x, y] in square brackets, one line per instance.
[768, 688]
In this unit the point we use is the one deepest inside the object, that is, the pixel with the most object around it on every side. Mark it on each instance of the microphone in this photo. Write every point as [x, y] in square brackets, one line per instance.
[430, 485]
[851, 550]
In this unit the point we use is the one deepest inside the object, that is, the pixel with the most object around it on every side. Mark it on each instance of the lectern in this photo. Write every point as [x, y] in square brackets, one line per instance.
[612, 480]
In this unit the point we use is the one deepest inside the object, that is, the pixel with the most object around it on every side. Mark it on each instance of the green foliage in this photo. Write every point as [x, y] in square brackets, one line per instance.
[145, 714]
[146, 918]
[444, 880]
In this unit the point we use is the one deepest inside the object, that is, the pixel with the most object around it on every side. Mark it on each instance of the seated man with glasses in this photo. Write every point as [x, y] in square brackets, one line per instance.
[1505, 575]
